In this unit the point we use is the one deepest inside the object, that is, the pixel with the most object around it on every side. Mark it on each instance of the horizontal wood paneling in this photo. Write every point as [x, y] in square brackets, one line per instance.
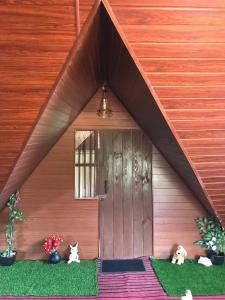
[167, 3]
[175, 209]
[120, 118]
[200, 151]
[197, 114]
[187, 79]
[174, 33]
[195, 103]
[197, 65]
[201, 134]
[35, 41]
[190, 92]
[178, 50]
[199, 124]
[48, 195]
[167, 16]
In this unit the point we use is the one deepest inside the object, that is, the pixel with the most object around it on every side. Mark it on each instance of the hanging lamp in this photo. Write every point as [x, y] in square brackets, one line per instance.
[104, 110]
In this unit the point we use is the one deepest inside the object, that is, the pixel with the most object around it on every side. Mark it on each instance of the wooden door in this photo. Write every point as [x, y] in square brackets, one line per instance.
[124, 170]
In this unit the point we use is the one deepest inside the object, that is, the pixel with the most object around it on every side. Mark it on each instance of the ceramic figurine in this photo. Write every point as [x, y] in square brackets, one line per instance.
[74, 256]
[205, 261]
[188, 295]
[179, 255]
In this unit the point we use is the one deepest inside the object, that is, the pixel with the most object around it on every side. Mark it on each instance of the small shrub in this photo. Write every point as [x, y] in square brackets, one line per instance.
[212, 233]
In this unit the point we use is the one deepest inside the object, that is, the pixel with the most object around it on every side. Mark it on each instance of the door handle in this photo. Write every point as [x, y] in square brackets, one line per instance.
[105, 186]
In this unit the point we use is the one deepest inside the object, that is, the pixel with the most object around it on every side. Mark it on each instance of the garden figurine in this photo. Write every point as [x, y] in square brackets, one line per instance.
[188, 295]
[74, 256]
[179, 255]
[205, 261]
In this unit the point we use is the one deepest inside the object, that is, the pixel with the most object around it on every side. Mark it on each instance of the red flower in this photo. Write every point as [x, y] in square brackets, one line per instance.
[51, 244]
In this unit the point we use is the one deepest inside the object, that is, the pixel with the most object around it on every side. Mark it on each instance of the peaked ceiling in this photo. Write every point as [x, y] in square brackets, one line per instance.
[101, 52]
[179, 45]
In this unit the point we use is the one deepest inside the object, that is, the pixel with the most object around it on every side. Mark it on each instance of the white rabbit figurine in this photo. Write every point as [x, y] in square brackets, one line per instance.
[188, 295]
[74, 254]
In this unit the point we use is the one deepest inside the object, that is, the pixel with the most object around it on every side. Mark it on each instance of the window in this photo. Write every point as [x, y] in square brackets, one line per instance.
[85, 164]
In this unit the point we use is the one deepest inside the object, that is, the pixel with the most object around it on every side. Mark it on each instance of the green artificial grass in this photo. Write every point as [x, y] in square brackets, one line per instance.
[39, 278]
[199, 279]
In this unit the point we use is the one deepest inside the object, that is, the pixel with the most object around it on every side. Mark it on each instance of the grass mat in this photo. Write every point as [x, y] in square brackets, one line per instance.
[199, 279]
[39, 278]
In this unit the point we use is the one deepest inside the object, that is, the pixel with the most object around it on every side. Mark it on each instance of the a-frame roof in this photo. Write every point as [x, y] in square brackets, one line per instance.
[102, 53]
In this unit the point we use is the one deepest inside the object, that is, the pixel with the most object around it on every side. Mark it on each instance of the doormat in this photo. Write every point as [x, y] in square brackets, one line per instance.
[122, 265]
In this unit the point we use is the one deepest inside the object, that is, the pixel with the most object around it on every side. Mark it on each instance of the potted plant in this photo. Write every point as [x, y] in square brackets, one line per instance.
[8, 256]
[213, 238]
[51, 246]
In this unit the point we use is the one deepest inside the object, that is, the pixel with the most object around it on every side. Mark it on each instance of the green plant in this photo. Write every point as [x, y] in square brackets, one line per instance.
[14, 215]
[212, 233]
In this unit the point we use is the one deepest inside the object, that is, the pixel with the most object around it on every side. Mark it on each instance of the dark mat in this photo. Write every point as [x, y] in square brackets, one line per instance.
[122, 265]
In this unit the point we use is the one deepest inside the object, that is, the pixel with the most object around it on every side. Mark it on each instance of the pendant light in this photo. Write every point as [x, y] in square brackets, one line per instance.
[104, 110]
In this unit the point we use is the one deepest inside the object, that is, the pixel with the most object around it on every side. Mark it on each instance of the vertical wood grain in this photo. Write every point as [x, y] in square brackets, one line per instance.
[124, 218]
[127, 195]
[118, 213]
[137, 193]
[147, 197]
[108, 211]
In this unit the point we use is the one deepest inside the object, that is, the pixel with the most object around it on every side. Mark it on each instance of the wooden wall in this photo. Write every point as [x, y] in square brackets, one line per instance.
[175, 209]
[47, 195]
[49, 205]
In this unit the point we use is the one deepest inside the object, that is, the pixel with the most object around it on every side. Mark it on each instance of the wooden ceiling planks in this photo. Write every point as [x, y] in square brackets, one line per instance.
[77, 83]
[179, 44]
[35, 39]
[161, 3]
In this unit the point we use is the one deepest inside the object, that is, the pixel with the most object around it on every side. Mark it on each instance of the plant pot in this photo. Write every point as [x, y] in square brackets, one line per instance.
[211, 253]
[218, 258]
[8, 260]
[55, 257]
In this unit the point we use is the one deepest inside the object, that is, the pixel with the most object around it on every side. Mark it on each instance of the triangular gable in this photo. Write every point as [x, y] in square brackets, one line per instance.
[102, 53]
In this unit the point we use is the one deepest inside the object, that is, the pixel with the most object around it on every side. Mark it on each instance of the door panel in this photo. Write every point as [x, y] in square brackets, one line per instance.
[127, 194]
[124, 168]
[117, 183]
